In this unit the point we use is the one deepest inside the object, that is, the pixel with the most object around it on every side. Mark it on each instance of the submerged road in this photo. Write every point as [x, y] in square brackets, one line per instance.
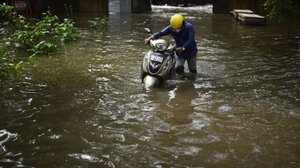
[85, 106]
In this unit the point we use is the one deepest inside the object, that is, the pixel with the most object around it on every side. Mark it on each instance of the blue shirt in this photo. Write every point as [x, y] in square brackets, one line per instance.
[184, 38]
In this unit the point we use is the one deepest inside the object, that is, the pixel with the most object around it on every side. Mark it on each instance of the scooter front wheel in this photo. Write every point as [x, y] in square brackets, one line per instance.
[151, 81]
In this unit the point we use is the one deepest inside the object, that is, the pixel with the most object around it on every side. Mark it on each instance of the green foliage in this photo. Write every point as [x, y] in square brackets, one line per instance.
[42, 47]
[37, 38]
[98, 23]
[50, 26]
[65, 31]
[279, 9]
[12, 17]
[6, 61]
[18, 66]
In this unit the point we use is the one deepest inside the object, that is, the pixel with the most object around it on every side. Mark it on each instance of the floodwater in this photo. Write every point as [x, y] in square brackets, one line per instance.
[85, 106]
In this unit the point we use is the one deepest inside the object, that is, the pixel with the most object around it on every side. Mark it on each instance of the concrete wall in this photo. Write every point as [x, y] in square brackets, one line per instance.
[255, 5]
[134, 6]
[141, 6]
[221, 6]
[99, 6]
[76, 5]
[125, 6]
[225, 6]
[93, 6]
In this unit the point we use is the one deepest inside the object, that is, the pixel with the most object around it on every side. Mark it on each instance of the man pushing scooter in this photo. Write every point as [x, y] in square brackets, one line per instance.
[184, 36]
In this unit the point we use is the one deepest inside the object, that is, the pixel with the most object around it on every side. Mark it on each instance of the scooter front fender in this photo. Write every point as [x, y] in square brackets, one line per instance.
[151, 81]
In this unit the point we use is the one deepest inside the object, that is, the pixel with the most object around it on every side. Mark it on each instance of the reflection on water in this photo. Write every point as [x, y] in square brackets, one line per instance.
[4, 138]
[85, 105]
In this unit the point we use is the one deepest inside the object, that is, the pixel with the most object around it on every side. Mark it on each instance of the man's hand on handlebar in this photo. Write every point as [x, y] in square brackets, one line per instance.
[180, 49]
[147, 40]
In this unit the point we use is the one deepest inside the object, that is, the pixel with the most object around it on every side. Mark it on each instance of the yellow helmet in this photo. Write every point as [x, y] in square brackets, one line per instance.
[176, 21]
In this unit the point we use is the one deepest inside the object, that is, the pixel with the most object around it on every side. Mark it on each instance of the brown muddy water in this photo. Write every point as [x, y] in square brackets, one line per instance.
[85, 106]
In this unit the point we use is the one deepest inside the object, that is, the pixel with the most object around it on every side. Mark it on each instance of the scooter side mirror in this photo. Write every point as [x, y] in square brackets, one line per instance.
[147, 30]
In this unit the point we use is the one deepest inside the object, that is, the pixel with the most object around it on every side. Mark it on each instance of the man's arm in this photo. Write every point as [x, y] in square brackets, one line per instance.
[167, 30]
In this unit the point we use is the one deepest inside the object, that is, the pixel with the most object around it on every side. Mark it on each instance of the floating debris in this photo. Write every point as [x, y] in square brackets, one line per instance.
[248, 17]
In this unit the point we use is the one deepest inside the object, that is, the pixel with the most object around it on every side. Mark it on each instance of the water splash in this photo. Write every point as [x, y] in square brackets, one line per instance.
[200, 9]
[5, 136]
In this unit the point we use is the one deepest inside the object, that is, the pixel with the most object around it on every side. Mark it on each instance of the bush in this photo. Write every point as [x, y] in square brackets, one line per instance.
[279, 9]
[98, 23]
[36, 38]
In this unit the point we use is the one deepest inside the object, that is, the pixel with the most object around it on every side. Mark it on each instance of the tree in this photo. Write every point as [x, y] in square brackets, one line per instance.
[279, 9]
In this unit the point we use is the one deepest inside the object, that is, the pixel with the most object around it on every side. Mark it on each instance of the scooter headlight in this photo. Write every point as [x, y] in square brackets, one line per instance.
[161, 45]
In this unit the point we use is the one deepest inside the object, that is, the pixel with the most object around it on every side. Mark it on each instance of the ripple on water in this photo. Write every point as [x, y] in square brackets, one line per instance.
[5, 137]
[187, 150]
[200, 120]
[103, 160]
[196, 140]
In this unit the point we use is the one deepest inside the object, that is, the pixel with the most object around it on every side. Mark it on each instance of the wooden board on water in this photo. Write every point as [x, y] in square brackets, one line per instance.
[251, 19]
[235, 12]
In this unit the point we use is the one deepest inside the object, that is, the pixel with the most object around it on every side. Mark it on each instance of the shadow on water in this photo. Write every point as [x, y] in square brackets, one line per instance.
[175, 99]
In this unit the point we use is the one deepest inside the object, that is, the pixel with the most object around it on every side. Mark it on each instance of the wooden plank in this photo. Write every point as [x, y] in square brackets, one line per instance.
[235, 12]
[252, 19]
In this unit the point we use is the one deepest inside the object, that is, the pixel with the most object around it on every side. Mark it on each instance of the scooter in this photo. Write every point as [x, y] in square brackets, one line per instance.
[159, 63]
